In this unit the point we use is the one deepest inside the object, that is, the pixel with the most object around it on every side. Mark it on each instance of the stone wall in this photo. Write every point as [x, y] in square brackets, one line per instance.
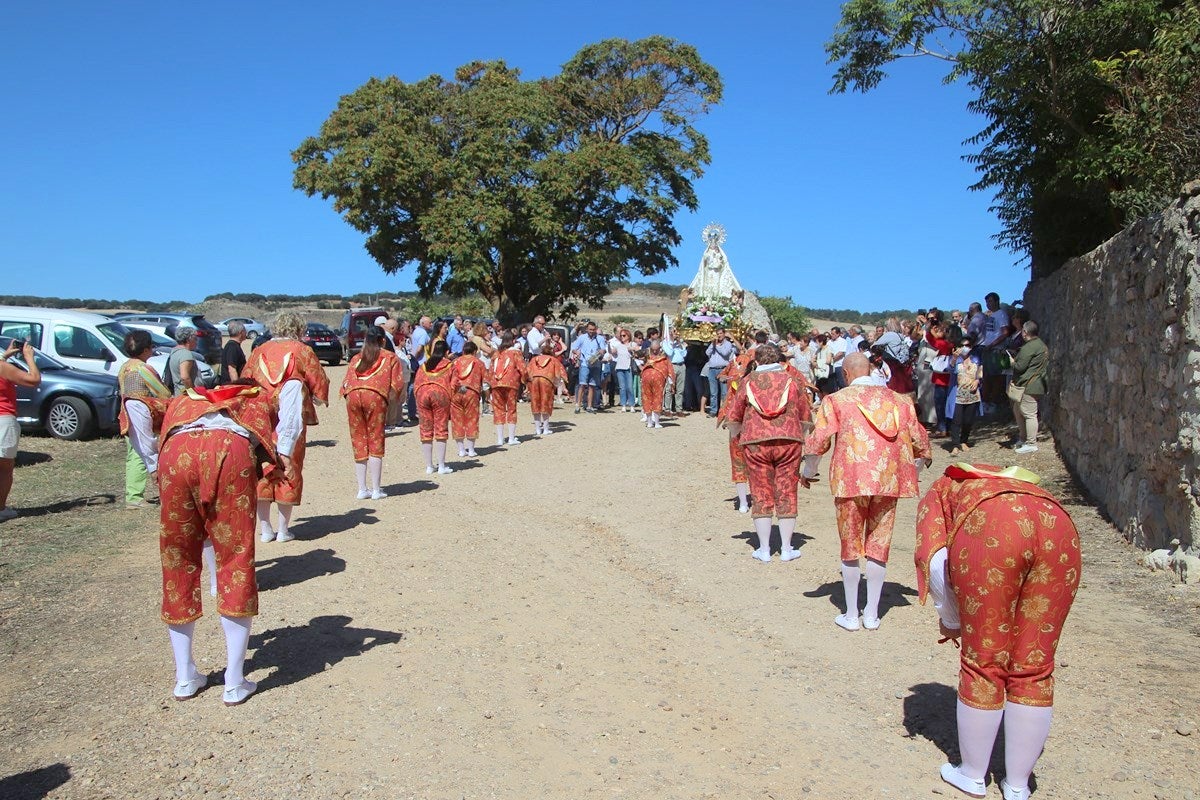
[1123, 327]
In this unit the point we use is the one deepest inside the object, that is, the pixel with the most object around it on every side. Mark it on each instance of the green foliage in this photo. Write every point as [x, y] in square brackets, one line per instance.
[1056, 159]
[850, 315]
[531, 193]
[621, 319]
[786, 316]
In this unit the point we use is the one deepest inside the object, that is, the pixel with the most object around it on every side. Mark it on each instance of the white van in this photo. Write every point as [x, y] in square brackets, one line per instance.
[89, 342]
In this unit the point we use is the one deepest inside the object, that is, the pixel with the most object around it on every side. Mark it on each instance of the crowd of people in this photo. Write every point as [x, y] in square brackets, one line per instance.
[999, 556]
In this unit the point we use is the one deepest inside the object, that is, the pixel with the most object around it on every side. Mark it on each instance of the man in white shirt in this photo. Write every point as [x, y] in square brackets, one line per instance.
[536, 335]
[837, 347]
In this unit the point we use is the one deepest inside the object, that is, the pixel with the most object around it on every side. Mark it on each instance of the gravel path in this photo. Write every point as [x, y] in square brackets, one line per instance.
[575, 617]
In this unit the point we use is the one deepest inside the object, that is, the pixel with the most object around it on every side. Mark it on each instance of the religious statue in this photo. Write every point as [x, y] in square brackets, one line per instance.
[714, 278]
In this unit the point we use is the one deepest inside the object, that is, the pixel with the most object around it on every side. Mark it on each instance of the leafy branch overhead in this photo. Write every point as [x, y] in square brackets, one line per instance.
[534, 193]
[1090, 107]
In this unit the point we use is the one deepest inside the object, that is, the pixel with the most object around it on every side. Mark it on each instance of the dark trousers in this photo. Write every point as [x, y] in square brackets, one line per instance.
[964, 418]
[940, 395]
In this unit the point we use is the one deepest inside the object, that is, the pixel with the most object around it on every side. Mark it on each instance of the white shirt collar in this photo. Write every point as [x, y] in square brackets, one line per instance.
[768, 368]
[863, 381]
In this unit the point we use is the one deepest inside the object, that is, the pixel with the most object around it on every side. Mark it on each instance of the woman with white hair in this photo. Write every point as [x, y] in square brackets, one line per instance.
[288, 370]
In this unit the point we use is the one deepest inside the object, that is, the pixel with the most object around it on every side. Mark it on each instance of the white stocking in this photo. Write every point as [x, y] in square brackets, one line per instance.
[462, 449]
[181, 646]
[787, 528]
[264, 517]
[285, 517]
[850, 575]
[654, 418]
[210, 561]
[375, 468]
[439, 453]
[499, 434]
[976, 735]
[360, 472]
[762, 527]
[237, 637]
[743, 490]
[1026, 729]
[875, 573]
[470, 445]
[512, 431]
[427, 451]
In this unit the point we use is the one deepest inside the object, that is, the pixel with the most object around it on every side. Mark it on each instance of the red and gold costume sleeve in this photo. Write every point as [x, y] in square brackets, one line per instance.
[439, 379]
[546, 368]
[277, 361]
[380, 378]
[470, 372]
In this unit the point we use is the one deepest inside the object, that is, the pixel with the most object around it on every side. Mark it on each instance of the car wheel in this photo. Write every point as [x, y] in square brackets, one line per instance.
[69, 418]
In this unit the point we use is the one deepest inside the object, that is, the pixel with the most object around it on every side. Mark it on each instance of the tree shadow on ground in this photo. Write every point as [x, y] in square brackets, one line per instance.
[34, 784]
[301, 651]
[776, 539]
[273, 573]
[413, 487]
[931, 712]
[27, 459]
[312, 528]
[894, 595]
[321, 443]
[69, 505]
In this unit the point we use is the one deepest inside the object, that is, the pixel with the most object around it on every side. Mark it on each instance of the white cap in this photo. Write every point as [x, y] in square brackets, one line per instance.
[380, 321]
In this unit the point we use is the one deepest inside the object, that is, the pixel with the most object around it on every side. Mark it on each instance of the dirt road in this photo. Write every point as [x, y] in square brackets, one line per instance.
[575, 617]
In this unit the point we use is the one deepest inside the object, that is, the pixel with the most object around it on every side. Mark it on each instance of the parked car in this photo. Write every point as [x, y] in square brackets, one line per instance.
[253, 328]
[356, 321]
[69, 403]
[88, 342]
[209, 338]
[324, 343]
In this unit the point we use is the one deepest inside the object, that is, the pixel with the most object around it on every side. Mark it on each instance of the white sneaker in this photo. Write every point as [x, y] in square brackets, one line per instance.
[870, 623]
[429, 470]
[1013, 794]
[846, 623]
[1025, 449]
[472, 454]
[444, 470]
[238, 694]
[761, 556]
[378, 494]
[644, 418]
[285, 536]
[7, 514]
[363, 494]
[658, 424]
[189, 689]
[513, 441]
[267, 536]
[546, 431]
[744, 509]
[971, 786]
[789, 554]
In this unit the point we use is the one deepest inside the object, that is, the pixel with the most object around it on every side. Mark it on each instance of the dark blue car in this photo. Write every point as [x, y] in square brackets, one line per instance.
[69, 403]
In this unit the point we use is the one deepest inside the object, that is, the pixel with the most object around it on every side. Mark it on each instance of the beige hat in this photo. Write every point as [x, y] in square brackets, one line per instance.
[380, 321]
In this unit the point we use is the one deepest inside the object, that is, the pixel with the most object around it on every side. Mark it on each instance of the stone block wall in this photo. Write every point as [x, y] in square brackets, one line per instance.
[1123, 327]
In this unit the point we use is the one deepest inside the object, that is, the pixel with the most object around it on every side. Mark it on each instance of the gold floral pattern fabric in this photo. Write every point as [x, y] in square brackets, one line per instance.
[878, 440]
[774, 472]
[432, 389]
[207, 480]
[469, 373]
[367, 411]
[655, 373]
[772, 406]
[865, 526]
[1014, 565]
[545, 373]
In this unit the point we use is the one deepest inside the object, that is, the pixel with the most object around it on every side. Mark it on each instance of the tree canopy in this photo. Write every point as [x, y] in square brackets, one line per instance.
[531, 193]
[1065, 89]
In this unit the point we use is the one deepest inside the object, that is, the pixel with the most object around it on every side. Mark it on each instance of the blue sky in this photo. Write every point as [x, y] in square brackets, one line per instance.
[149, 147]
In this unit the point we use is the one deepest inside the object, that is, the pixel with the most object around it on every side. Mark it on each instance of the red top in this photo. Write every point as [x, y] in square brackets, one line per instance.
[771, 405]
[944, 348]
[8, 398]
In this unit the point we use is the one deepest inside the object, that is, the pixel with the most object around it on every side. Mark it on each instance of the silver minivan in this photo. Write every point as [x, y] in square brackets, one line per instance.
[90, 342]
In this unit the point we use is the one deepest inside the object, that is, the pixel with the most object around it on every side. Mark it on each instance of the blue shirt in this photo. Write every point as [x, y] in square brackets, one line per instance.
[676, 354]
[455, 340]
[416, 343]
[587, 346]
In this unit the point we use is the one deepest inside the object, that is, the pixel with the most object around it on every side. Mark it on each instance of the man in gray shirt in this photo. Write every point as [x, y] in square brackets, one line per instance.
[720, 353]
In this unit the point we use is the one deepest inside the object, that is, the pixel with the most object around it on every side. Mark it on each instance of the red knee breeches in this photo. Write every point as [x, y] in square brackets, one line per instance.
[367, 411]
[865, 526]
[541, 397]
[276, 487]
[464, 415]
[433, 411]
[774, 471]
[504, 405]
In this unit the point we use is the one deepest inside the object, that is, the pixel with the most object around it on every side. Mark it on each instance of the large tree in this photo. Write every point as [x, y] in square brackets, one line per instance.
[1050, 152]
[533, 193]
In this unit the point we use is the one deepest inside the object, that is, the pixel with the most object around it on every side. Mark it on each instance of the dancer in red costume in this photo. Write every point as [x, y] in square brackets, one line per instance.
[546, 376]
[433, 387]
[470, 372]
[374, 378]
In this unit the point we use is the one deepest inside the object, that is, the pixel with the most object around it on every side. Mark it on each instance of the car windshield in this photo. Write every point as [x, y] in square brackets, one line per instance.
[115, 332]
[45, 363]
[316, 328]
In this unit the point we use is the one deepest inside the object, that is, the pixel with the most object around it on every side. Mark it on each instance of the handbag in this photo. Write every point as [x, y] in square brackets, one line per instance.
[941, 364]
[595, 358]
[1015, 393]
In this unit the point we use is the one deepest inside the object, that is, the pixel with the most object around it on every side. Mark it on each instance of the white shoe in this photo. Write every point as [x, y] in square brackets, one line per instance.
[378, 494]
[7, 514]
[238, 694]
[444, 470]
[644, 418]
[870, 623]
[462, 453]
[363, 494]
[1025, 449]
[472, 454]
[285, 536]
[846, 623]
[429, 470]
[761, 556]
[789, 555]
[189, 689]
[513, 441]
[649, 425]
[658, 425]
[1013, 794]
[267, 536]
[971, 786]
[744, 509]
